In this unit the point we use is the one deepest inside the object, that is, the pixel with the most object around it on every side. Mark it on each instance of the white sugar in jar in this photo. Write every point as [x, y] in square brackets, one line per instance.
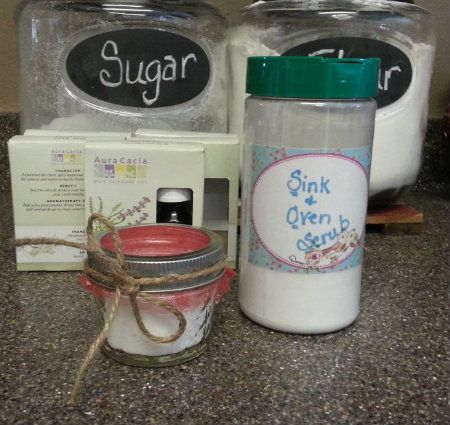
[307, 154]
[120, 65]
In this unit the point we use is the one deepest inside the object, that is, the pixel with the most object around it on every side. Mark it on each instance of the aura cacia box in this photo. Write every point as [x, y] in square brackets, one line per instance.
[95, 134]
[47, 179]
[220, 204]
[123, 179]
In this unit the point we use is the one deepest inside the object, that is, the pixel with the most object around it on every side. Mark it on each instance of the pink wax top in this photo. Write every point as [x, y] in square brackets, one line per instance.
[159, 241]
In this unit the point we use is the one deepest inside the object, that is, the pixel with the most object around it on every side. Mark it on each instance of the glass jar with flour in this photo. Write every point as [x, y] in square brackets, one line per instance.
[398, 33]
[307, 154]
[122, 64]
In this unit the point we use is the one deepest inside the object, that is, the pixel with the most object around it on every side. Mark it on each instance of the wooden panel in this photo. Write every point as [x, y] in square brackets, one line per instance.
[399, 218]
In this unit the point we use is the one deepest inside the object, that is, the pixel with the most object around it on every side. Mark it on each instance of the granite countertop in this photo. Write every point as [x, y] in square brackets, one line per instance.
[389, 368]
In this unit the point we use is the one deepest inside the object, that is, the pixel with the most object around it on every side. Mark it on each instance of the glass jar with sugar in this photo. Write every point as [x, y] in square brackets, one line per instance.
[122, 64]
[399, 33]
[307, 153]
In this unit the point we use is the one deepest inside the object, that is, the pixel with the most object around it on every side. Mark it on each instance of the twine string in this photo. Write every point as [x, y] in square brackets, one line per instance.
[115, 273]
[93, 349]
[177, 313]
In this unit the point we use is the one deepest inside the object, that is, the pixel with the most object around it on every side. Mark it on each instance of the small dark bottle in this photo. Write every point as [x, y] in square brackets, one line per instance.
[174, 206]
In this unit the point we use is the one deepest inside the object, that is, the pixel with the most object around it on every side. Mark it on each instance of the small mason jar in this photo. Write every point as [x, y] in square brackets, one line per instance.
[399, 33]
[308, 142]
[161, 250]
[119, 65]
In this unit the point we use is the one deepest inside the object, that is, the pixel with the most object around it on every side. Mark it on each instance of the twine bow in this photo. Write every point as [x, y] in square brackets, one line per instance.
[114, 272]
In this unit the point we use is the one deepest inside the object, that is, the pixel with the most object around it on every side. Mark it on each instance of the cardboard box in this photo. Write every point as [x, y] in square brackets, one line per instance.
[49, 175]
[221, 194]
[70, 133]
[47, 179]
[123, 179]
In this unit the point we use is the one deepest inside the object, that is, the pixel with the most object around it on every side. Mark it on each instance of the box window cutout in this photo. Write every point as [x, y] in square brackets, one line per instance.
[216, 204]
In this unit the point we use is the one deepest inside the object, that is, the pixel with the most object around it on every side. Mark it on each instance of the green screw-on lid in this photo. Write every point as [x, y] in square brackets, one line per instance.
[312, 77]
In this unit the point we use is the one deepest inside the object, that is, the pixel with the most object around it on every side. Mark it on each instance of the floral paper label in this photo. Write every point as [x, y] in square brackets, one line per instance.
[308, 208]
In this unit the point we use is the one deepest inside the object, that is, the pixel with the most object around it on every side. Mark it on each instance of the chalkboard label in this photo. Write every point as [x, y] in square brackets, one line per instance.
[395, 71]
[141, 68]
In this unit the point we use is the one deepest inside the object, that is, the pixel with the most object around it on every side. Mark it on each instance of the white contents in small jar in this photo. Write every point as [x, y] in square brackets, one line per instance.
[125, 334]
[171, 278]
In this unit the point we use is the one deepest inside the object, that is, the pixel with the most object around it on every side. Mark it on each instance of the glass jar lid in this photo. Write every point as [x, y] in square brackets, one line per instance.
[154, 250]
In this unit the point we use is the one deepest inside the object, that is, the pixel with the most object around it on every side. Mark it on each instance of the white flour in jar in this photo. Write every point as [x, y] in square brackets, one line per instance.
[399, 127]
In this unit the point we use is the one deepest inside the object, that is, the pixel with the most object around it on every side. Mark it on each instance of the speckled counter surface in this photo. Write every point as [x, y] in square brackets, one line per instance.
[390, 367]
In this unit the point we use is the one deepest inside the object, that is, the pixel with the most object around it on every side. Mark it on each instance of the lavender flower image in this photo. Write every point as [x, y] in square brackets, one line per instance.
[142, 219]
[119, 215]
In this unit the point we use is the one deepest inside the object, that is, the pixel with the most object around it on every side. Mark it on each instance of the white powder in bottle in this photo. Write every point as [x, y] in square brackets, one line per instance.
[309, 300]
[317, 140]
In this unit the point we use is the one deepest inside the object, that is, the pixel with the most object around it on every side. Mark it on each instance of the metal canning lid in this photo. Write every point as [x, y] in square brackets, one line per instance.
[153, 250]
